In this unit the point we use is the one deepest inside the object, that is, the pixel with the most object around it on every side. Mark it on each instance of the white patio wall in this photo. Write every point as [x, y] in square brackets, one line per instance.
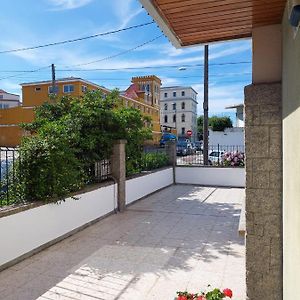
[226, 177]
[142, 186]
[25, 231]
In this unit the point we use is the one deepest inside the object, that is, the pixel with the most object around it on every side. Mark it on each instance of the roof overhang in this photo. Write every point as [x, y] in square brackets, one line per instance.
[194, 22]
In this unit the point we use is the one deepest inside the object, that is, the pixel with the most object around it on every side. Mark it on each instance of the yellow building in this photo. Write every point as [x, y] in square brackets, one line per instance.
[36, 93]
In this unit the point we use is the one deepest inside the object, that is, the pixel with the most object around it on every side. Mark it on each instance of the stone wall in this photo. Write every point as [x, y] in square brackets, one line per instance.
[263, 142]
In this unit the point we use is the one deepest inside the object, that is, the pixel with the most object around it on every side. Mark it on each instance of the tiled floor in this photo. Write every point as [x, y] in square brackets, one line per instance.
[183, 237]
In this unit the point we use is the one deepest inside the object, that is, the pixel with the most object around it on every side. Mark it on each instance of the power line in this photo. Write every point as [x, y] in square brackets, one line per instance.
[32, 71]
[76, 39]
[132, 68]
[219, 75]
[152, 67]
[118, 54]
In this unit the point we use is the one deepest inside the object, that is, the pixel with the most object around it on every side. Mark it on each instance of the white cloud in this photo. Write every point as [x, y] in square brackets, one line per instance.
[10, 86]
[68, 4]
[127, 19]
[220, 96]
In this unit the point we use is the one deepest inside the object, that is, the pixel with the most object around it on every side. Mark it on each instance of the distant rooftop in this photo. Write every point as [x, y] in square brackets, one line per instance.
[4, 92]
[234, 106]
[177, 87]
[66, 79]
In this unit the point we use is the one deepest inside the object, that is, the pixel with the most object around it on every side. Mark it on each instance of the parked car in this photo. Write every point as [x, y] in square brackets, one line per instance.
[167, 137]
[199, 145]
[184, 148]
[215, 157]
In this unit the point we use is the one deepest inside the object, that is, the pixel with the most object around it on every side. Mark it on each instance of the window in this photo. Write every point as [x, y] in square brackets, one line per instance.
[183, 118]
[148, 87]
[174, 118]
[174, 94]
[4, 105]
[69, 88]
[51, 90]
[166, 106]
[183, 105]
[183, 130]
[174, 106]
[166, 119]
[83, 88]
[1, 96]
[166, 95]
[183, 93]
[38, 89]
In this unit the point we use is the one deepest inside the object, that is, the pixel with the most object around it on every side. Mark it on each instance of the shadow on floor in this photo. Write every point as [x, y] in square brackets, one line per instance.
[177, 236]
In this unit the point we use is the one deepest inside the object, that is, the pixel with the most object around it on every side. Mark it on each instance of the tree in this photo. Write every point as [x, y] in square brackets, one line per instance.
[68, 136]
[200, 121]
[219, 123]
[215, 123]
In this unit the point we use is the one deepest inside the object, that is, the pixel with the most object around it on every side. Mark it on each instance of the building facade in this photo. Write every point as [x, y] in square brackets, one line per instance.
[36, 93]
[178, 106]
[239, 114]
[8, 100]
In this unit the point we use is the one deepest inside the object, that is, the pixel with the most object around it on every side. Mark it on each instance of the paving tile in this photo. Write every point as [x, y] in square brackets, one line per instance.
[183, 237]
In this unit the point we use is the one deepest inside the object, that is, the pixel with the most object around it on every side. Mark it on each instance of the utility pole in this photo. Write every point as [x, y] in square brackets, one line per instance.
[53, 78]
[205, 108]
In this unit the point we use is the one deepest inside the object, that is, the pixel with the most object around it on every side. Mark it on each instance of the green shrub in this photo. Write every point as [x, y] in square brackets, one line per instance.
[151, 161]
[68, 136]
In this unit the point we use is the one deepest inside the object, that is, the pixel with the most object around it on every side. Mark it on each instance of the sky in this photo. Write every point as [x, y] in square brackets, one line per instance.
[30, 23]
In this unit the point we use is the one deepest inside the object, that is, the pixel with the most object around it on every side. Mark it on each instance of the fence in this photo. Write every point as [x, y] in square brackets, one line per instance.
[97, 172]
[9, 158]
[218, 155]
[102, 170]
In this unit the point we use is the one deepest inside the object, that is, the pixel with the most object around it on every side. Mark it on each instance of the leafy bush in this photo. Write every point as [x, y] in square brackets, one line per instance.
[151, 161]
[68, 136]
[146, 162]
[233, 159]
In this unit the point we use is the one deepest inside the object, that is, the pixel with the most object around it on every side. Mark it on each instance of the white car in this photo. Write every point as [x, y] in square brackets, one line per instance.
[215, 157]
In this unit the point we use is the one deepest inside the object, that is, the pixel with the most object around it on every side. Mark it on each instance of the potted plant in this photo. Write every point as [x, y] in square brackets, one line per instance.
[215, 294]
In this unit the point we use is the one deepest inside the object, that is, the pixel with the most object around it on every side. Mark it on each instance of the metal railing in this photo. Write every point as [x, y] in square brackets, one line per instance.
[102, 170]
[9, 158]
[11, 163]
[217, 154]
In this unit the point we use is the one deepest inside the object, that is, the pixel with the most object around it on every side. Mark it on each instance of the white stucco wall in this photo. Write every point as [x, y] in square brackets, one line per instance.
[139, 187]
[229, 137]
[25, 231]
[227, 177]
[291, 162]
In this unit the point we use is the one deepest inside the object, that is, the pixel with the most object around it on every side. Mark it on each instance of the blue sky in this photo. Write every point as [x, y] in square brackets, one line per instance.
[31, 22]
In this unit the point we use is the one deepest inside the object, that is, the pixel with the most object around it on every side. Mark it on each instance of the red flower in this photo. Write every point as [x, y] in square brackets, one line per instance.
[182, 298]
[200, 298]
[227, 293]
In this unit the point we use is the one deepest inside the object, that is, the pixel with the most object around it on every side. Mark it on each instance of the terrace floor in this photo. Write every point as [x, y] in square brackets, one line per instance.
[183, 237]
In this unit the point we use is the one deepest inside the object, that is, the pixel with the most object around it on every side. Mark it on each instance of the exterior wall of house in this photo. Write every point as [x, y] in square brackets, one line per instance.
[263, 142]
[240, 116]
[8, 100]
[229, 137]
[291, 159]
[167, 98]
[266, 50]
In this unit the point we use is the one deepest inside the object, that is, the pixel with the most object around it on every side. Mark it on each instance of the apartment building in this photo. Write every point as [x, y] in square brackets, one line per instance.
[8, 100]
[178, 106]
[143, 94]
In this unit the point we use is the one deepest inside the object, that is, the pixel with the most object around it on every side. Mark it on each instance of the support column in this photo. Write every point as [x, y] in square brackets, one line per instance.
[171, 152]
[263, 141]
[118, 167]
